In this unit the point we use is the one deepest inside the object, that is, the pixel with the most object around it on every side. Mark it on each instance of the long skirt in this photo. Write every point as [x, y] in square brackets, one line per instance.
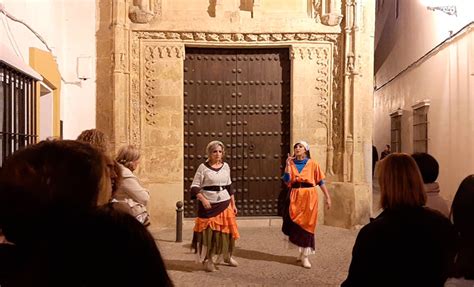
[215, 235]
[300, 216]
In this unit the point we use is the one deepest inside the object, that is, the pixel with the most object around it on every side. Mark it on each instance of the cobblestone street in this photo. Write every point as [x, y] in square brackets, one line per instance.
[263, 258]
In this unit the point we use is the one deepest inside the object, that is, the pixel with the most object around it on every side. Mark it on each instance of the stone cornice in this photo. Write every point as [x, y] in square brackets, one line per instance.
[236, 37]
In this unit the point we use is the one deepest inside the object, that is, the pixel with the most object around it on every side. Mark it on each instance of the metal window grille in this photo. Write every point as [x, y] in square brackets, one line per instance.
[396, 133]
[18, 111]
[420, 129]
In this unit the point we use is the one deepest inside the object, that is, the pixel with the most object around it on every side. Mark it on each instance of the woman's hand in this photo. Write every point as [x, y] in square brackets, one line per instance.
[205, 203]
[235, 209]
[328, 202]
[289, 159]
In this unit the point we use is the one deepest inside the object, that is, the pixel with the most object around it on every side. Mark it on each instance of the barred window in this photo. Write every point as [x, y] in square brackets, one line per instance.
[420, 127]
[396, 131]
[18, 110]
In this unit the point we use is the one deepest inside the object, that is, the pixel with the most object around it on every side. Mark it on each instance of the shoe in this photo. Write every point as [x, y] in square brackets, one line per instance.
[298, 259]
[306, 263]
[232, 262]
[218, 259]
[209, 266]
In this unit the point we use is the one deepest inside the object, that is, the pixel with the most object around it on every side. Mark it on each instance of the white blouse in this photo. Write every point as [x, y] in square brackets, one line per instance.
[206, 176]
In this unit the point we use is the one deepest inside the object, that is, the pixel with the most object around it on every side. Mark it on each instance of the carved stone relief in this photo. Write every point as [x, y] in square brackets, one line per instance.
[323, 55]
[143, 11]
[337, 118]
[327, 12]
[135, 114]
[152, 54]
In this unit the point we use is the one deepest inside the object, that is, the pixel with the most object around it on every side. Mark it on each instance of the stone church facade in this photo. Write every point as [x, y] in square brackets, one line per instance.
[142, 49]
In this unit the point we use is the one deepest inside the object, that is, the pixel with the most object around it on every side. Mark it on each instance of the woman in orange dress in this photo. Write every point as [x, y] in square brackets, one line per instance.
[215, 229]
[302, 174]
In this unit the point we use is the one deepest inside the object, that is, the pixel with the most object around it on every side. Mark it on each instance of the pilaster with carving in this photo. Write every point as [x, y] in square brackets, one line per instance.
[152, 55]
[313, 106]
[349, 74]
[121, 70]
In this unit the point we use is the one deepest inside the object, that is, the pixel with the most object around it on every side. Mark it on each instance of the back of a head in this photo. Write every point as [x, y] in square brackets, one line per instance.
[462, 211]
[400, 182]
[94, 137]
[140, 264]
[463, 208]
[428, 165]
[66, 175]
[127, 154]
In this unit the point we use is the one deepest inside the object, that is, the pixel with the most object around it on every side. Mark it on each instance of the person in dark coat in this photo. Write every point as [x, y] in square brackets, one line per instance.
[385, 152]
[375, 158]
[462, 213]
[407, 244]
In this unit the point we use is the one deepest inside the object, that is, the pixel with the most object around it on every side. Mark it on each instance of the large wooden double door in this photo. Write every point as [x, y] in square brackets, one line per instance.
[242, 98]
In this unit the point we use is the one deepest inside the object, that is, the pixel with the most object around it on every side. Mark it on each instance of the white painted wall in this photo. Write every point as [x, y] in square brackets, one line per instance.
[46, 113]
[446, 78]
[68, 26]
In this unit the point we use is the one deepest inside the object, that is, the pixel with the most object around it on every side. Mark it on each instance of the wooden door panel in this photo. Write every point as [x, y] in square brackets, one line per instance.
[241, 97]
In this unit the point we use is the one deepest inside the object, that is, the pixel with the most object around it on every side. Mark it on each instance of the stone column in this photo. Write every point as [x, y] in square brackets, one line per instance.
[120, 73]
[354, 195]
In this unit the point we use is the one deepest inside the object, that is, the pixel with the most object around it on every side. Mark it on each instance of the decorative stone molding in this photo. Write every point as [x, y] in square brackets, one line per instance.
[336, 143]
[235, 37]
[310, 53]
[152, 54]
[135, 99]
[155, 52]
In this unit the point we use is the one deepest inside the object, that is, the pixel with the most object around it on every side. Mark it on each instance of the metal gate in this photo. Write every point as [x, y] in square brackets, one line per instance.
[242, 98]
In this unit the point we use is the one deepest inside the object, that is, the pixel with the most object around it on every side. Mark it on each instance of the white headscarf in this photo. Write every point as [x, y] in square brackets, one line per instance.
[303, 143]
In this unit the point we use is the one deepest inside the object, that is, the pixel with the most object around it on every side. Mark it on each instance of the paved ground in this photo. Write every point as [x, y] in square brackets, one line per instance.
[263, 259]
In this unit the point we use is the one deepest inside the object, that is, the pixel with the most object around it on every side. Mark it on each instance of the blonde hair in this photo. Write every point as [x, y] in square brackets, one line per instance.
[211, 146]
[400, 182]
[94, 137]
[127, 155]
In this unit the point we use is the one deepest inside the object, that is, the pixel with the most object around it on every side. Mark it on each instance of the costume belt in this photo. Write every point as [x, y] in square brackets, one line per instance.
[214, 188]
[301, 184]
